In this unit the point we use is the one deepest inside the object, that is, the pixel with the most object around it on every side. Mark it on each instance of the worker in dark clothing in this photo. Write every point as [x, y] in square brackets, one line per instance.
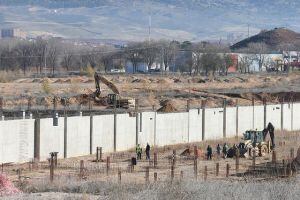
[218, 150]
[271, 131]
[209, 152]
[138, 151]
[225, 150]
[148, 152]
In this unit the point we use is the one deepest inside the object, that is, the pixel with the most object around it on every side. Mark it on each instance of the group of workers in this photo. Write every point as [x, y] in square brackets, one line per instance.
[139, 152]
[219, 150]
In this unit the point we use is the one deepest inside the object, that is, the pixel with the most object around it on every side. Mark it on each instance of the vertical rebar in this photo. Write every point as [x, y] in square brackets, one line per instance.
[120, 176]
[227, 170]
[81, 173]
[237, 161]
[217, 169]
[155, 159]
[147, 175]
[274, 156]
[195, 168]
[172, 172]
[196, 152]
[292, 154]
[205, 173]
[107, 164]
[174, 158]
[254, 159]
[51, 167]
[155, 176]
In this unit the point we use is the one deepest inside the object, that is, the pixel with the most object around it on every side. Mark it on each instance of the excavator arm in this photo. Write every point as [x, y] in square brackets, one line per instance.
[108, 83]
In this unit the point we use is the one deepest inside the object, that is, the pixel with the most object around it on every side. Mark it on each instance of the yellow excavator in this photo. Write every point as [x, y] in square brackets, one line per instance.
[111, 99]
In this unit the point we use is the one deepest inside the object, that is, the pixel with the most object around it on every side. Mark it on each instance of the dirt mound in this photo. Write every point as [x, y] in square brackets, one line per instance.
[167, 106]
[6, 187]
[141, 80]
[272, 38]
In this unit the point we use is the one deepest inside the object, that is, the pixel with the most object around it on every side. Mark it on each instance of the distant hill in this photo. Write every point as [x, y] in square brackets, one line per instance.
[275, 39]
[128, 20]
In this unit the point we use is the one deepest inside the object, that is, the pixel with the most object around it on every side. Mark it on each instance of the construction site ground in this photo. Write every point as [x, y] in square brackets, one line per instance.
[35, 178]
[153, 90]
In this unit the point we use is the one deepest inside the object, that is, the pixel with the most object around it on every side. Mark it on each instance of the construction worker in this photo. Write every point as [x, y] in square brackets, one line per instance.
[148, 152]
[209, 152]
[271, 131]
[138, 151]
[218, 150]
[225, 150]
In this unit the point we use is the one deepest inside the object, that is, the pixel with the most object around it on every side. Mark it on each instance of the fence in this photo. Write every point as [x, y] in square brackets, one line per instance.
[24, 140]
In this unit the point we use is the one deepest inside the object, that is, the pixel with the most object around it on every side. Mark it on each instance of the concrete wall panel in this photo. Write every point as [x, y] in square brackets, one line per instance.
[213, 123]
[230, 121]
[51, 138]
[287, 117]
[146, 128]
[258, 118]
[195, 125]
[274, 115]
[16, 141]
[245, 119]
[296, 116]
[103, 133]
[78, 136]
[171, 128]
[126, 132]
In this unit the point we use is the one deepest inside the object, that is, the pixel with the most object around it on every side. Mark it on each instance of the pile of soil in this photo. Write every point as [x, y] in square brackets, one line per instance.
[167, 107]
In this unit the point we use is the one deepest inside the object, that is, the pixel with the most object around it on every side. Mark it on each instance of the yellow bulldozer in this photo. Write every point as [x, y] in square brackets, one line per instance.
[114, 99]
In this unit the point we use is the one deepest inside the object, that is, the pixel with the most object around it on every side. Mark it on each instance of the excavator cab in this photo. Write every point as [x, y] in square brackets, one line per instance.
[113, 98]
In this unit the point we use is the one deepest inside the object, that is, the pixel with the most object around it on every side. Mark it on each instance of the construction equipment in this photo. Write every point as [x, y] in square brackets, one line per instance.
[254, 141]
[114, 99]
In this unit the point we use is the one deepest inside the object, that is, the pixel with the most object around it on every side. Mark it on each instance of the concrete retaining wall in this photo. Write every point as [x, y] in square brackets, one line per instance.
[103, 133]
[287, 117]
[146, 128]
[195, 125]
[21, 140]
[78, 136]
[16, 141]
[213, 123]
[274, 115]
[245, 119]
[51, 138]
[258, 118]
[126, 132]
[231, 121]
[171, 128]
[296, 116]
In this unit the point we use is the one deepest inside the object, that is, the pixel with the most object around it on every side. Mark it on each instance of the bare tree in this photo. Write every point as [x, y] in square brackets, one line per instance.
[67, 60]
[24, 54]
[259, 51]
[134, 55]
[52, 56]
[170, 49]
[149, 52]
[40, 46]
[244, 64]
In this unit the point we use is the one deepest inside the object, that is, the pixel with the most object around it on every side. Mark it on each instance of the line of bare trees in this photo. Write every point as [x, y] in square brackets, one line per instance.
[58, 55]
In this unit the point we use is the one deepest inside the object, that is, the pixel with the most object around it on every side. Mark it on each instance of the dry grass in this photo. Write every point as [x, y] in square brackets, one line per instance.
[8, 76]
[187, 189]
